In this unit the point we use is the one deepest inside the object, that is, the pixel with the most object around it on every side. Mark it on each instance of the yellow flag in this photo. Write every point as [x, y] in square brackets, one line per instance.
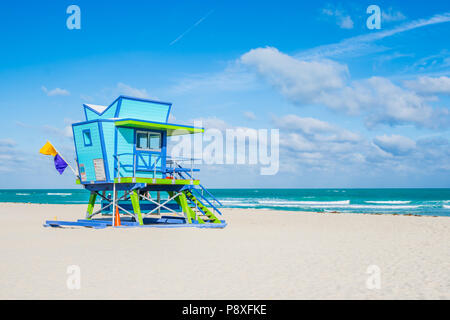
[48, 149]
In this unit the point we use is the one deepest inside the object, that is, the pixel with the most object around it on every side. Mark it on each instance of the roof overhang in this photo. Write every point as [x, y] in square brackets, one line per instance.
[172, 129]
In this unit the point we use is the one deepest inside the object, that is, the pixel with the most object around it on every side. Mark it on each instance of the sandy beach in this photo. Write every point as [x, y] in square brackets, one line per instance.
[260, 255]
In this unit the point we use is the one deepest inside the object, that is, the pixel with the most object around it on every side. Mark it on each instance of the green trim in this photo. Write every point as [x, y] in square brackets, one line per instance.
[150, 181]
[91, 204]
[172, 129]
[136, 207]
[157, 181]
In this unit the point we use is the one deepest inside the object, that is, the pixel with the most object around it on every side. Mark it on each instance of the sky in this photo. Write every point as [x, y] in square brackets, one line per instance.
[356, 107]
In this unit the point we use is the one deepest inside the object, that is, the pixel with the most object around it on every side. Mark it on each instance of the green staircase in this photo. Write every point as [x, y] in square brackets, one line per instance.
[211, 218]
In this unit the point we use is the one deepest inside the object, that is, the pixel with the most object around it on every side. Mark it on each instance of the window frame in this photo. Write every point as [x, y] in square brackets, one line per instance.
[148, 132]
[87, 131]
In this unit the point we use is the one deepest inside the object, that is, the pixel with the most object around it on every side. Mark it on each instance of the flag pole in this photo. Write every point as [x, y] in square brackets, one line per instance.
[74, 172]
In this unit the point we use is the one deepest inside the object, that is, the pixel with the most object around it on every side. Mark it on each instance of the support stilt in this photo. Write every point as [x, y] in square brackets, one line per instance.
[182, 202]
[91, 204]
[136, 207]
[158, 195]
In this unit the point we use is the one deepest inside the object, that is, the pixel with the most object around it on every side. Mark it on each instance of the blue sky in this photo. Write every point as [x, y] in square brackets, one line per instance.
[355, 107]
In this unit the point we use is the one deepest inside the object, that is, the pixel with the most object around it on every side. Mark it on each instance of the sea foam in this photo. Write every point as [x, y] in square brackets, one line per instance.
[389, 202]
[59, 194]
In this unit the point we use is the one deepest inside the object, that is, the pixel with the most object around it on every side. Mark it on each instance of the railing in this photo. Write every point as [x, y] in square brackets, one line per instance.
[181, 171]
[199, 195]
[177, 168]
[202, 187]
[118, 165]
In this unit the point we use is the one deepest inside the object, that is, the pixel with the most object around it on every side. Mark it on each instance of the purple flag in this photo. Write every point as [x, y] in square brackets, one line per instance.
[60, 164]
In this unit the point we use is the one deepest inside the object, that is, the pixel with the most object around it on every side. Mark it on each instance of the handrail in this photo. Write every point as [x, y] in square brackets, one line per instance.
[177, 170]
[182, 158]
[134, 165]
[204, 189]
[211, 195]
[203, 197]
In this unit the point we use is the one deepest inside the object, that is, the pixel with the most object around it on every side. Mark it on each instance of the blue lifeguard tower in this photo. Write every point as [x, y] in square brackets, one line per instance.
[121, 154]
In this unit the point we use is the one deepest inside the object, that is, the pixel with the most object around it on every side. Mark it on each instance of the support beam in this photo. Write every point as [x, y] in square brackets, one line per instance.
[136, 207]
[189, 214]
[162, 205]
[91, 204]
[158, 199]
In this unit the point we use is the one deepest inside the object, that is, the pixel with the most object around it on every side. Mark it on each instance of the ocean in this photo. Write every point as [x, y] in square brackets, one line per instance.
[430, 202]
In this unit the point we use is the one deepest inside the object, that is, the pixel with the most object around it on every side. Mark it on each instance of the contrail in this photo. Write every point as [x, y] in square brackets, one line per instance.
[192, 27]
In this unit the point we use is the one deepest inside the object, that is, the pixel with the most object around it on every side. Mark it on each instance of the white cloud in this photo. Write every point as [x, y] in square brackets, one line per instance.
[212, 123]
[249, 115]
[395, 144]
[65, 132]
[55, 92]
[430, 85]
[343, 20]
[317, 129]
[312, 144]
[388, 103]
[7, 142]
[346, 23]
[133, 92]
[233, 78]
[301, 81]
[86, 98]
[324, 82]
[391, 15]
[304, 150]
[432, 63]
[10, 156]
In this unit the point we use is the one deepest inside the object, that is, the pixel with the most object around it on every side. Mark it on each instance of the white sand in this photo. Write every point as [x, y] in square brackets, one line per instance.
[260, 255]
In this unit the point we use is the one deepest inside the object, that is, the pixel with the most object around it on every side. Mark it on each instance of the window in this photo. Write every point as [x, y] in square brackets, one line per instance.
[87, 138]
[154, 141]
[142, 140]
[148, 140]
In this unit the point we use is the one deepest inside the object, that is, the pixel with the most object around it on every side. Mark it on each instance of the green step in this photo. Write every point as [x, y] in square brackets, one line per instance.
[203, 208]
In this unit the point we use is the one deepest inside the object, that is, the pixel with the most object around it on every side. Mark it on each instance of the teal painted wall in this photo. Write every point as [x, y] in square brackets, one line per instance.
[125, 143]
[110, 112]
[149, 159]
[109, 130]
[125, 150]
[86, 154]
[90, 115]
[143, 110]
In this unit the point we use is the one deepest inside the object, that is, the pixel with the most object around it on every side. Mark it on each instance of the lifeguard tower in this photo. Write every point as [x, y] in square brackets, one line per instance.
[121, 153]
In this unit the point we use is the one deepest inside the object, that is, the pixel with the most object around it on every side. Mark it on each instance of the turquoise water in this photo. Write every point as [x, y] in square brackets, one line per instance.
[434, 202]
